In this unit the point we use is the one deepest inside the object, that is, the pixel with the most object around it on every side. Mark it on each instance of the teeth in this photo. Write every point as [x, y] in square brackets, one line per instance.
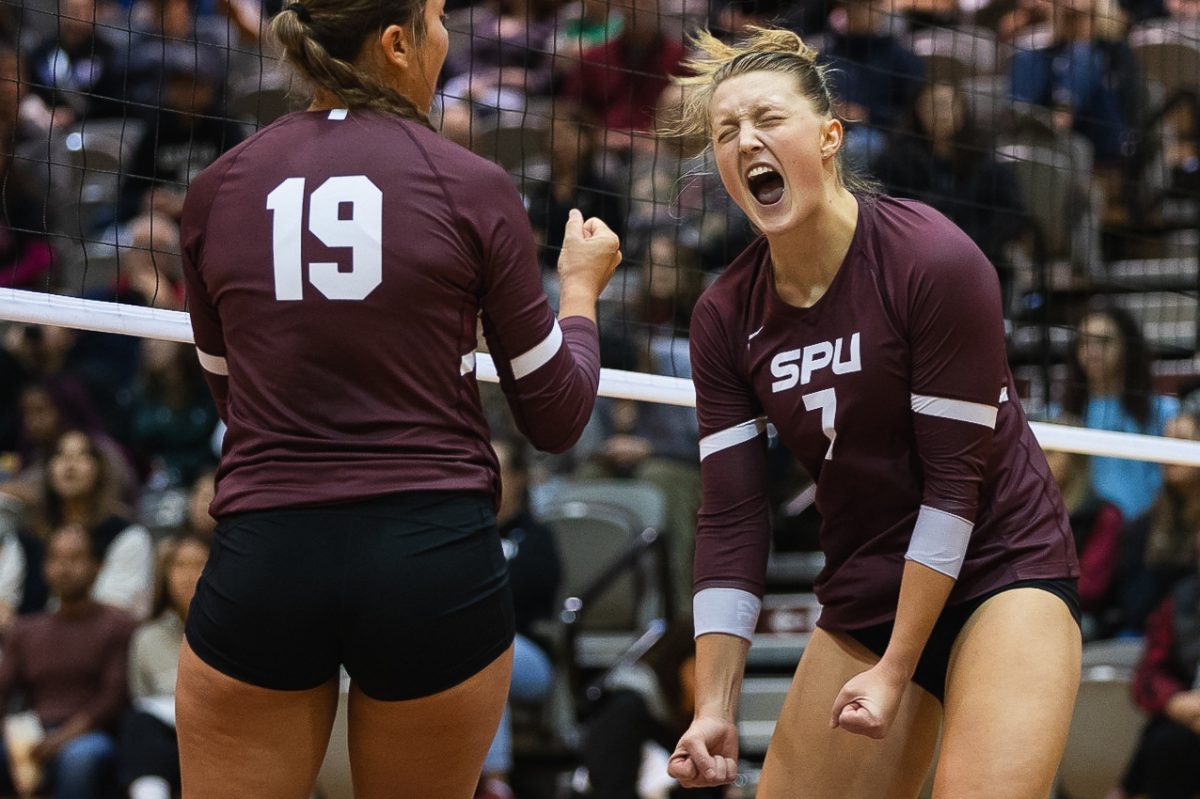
[758, 170]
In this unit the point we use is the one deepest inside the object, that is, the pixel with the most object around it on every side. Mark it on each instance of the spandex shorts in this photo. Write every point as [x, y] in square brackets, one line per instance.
[408, 591]
[935, 659]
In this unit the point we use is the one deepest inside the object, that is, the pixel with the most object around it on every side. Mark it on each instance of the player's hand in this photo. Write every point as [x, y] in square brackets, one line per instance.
[706, 755]
[590, 254]
[868, 702]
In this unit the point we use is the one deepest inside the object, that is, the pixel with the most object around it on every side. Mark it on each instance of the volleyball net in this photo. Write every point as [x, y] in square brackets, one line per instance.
[1063, 137]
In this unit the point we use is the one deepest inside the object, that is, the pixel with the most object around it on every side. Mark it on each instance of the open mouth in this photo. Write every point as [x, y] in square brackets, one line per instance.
[765, 184]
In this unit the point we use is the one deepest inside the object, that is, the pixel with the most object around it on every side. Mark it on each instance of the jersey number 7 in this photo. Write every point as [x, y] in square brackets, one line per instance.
[361, 230]
[826, 401]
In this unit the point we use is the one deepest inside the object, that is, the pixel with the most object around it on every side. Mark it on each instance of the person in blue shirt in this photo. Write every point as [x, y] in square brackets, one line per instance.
[1110, 387]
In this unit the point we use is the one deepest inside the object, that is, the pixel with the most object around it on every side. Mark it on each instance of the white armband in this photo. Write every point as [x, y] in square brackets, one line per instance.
[939, 541]
[726, 610]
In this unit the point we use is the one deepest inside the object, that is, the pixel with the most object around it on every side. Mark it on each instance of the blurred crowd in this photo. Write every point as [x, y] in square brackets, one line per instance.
[108, 444]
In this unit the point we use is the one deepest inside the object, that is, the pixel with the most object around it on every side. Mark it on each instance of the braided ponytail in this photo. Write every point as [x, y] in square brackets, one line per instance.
[322, 38]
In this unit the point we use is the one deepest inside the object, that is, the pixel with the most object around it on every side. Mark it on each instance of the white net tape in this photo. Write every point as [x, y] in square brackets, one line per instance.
[108, 317]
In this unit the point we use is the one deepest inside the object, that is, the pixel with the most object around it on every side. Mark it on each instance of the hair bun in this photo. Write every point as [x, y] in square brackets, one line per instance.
[777, 40]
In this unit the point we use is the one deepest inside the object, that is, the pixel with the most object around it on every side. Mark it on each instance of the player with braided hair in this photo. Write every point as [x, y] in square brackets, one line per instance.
[337, 263]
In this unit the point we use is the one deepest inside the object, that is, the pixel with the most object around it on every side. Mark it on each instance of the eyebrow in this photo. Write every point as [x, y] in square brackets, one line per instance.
[756, 110]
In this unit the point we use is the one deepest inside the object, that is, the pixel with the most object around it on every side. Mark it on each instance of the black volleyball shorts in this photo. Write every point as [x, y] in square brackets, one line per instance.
[408, 591]
[935, 659]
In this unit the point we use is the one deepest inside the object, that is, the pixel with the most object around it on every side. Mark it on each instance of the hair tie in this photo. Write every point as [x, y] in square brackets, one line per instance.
[300, 11]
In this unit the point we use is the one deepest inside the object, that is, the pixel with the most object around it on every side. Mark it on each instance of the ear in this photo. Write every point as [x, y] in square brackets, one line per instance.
[832, 135]
[396, 45]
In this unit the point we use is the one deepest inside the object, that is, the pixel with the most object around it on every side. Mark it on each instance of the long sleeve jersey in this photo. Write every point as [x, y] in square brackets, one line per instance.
[894, 393]
[337, 264]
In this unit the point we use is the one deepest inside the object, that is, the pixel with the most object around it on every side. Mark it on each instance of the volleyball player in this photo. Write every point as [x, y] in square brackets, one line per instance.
[336, 264]
[868, 331]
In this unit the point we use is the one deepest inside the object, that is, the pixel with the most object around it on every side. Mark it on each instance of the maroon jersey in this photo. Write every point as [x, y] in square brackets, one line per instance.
[894, 392]
[336, 265]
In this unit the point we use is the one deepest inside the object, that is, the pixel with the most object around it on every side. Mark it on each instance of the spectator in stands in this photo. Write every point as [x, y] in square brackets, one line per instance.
[213, 21]
[172, 414]
[582, 26]
[575, 182]
[148, 746]
[506, 57]
[1110, 387]
[48, 408]
[150, 272]
[942, 160]
[22, 587]
[1157, 548]
[644, 708]
[874, 75]
[181, 138]
[1087, 75]
[534, 571]
[1097, 526]
[25, 251]
[79, 74]
[619, 83]
[77, 492]
[70, 667]
[1167, 686]
[159, 25]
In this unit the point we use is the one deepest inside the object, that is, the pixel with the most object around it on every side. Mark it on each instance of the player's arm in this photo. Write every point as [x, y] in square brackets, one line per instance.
[956, 341]
[549, 368]
[202, 309]
[732, 545]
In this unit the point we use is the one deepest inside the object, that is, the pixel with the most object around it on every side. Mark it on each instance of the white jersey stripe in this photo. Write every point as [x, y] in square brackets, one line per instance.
[214, 364]
[959, 410]
[726, 610]
[529, 362]
[939, 541]
[732, 436]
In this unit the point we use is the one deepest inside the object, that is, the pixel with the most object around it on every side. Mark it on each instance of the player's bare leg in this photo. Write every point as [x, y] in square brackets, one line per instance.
[1010, 694]
[808, 759]
[428, 747]
[237, 739]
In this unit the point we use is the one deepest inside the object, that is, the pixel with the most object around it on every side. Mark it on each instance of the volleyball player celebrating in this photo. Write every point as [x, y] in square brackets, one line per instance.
[868, 331]
[336, 265]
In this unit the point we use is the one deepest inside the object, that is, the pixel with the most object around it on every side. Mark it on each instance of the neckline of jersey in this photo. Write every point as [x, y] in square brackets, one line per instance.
[778, 303]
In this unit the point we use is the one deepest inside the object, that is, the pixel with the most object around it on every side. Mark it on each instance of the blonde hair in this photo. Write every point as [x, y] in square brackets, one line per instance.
[322, 38]
[764, 50]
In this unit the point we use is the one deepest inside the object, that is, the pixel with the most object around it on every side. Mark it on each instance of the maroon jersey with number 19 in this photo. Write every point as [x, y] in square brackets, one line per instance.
[336, 265]
[894, 392]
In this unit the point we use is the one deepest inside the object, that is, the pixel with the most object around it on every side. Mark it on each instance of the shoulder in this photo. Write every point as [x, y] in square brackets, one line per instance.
[910, 236]
[476, 179]
[205, 185]
[723, 310]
